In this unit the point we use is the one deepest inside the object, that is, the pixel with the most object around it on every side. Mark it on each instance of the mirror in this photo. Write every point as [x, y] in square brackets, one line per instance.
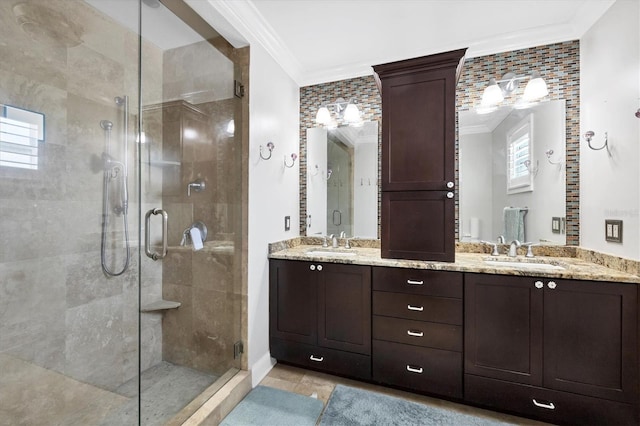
[342, 180]
[512, 174]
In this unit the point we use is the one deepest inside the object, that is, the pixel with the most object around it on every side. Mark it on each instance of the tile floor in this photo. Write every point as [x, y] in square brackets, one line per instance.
[307, 382]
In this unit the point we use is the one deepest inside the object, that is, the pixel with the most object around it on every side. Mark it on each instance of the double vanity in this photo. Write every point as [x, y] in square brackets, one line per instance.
[550, 337]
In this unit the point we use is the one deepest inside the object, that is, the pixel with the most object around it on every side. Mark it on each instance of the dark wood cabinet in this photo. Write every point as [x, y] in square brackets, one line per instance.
[554, 345]
[320, 316]
[417, 330]
[418, 155]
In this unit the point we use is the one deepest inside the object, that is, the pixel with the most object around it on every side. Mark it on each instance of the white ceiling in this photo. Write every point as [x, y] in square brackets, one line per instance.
[317, 41]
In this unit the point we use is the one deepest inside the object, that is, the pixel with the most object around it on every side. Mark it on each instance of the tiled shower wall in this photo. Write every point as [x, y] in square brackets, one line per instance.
[57, 309]
[558, 64]
[196, 145]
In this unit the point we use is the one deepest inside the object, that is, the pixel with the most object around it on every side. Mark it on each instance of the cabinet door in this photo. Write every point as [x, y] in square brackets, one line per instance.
[590, 340]
[418, 225]
[344, 307]
[293, 301]
[418, 139]
[503, 328]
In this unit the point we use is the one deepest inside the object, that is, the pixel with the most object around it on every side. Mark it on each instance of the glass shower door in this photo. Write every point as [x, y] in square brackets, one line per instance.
[190, 207]
[68, 234]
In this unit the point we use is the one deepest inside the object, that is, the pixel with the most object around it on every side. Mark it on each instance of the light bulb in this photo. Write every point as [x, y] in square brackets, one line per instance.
[492, 94]
[536, 88]
[351, 114]
[323, 116]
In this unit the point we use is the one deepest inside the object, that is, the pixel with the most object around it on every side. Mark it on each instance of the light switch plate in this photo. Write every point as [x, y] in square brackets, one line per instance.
[556, 226]
[613, 230]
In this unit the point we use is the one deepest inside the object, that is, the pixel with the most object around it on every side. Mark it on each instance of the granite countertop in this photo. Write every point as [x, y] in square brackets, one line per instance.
[569, 267]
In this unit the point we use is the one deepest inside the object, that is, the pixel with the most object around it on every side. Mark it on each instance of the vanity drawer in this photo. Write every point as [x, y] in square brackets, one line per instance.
[418, 307]
[419, 333]
[323, 359]
[545, 404]
[418, 281]
[420, 369]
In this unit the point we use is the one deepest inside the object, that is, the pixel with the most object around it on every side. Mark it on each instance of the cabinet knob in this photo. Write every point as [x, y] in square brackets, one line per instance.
[312, 267]
[316, 359]
[539, 284]
[450, 185]
[414, 369]
[449, 194]
[319, 267]
[552, 285]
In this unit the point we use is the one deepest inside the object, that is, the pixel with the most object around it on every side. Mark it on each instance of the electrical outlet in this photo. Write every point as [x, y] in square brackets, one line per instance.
[287, 223]
[613, 230]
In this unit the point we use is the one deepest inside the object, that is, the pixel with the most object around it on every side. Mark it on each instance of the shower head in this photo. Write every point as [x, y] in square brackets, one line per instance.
[106, 125]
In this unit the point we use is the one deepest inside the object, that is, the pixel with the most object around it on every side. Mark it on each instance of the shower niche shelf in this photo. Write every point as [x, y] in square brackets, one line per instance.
[160, 305]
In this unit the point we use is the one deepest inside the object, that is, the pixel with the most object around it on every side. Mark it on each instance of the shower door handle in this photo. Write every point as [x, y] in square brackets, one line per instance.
[147, 237]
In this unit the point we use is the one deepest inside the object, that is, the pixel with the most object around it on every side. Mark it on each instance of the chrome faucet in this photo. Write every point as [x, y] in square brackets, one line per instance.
[334, 241]
[500, 239]
[513, 248]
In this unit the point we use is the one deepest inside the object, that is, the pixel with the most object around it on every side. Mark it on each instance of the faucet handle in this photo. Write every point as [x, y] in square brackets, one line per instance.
[325, 242]
[529, 246]
[494, 248]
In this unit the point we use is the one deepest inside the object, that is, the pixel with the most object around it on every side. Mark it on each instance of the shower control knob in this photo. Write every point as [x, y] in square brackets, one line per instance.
[450, 185]
[312, 267]
[449, 194]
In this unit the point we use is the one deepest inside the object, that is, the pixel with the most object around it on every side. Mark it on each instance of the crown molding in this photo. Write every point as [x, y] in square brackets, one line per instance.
[245, 18]
[243, 21]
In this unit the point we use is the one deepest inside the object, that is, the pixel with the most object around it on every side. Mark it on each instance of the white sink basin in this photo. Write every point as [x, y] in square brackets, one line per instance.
[526, 263]
[328, 251]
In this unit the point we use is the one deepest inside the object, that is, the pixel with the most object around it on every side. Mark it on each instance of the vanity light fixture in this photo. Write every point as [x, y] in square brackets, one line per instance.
[294, 157]
[270, 147]
[347, 111]
[494, 93]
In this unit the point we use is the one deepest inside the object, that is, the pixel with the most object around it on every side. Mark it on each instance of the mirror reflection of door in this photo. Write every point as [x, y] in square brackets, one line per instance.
[342, 191]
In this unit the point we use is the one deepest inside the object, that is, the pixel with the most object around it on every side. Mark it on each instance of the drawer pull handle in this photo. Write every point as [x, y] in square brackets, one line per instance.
[415, 333]
[548, 406]
[415, 308]
[313, 358]
[414, 369]
[413, 282]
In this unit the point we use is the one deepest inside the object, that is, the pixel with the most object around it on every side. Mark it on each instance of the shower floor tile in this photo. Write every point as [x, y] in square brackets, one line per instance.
[166, 389]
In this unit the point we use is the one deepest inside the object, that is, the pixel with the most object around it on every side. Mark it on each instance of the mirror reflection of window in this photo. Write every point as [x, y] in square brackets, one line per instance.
[519, 158]
[20, 132]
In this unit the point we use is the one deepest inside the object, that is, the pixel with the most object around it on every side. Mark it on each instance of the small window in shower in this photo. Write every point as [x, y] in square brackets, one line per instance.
[20, 132]
[519, 157]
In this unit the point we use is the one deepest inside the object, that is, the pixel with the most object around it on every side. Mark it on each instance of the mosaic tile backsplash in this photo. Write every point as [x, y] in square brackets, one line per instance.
[558, 64]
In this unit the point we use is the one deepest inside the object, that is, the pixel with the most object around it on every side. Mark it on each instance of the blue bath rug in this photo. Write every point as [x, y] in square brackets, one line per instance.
[351, 406]
[269, 406]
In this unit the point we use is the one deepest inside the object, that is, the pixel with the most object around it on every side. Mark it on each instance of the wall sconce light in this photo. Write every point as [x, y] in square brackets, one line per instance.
[589, 137]
[294, 157]
[347, 111]
[270, 148]
[494, 93]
